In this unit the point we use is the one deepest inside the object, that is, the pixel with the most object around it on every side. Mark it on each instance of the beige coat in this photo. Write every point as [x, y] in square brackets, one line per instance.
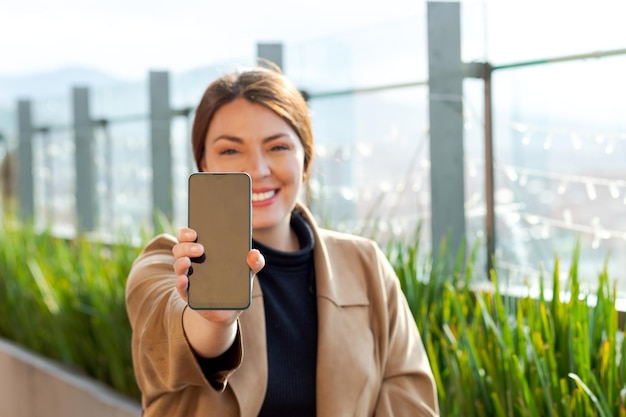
[371, 360]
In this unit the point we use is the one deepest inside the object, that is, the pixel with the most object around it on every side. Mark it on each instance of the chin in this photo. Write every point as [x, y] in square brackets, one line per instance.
[262, 226]
[265, 223]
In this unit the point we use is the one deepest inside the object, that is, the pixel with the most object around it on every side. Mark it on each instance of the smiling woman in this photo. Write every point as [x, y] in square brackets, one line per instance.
[329, 331]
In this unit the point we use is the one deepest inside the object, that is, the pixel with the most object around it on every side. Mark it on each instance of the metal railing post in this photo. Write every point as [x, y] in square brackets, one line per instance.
[490, 221]
[483, 70]
[7, 176]
[25, 177]
[86, 207]
[272, 52]
[161, 148]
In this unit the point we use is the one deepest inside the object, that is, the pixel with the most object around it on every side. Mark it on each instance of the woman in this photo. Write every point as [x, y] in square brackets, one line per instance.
[328, 333]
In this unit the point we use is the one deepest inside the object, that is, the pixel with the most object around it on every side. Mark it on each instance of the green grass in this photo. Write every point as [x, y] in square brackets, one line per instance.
[492, 354]
[65, 300]
[495, 355]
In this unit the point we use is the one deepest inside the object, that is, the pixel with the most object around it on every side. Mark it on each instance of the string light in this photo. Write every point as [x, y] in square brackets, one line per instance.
[595, 230]
[511, 173]
[548, 142]
[520, 127]
[364, 149]
[595, 244]
[591, 191]
[518, 174]
[417, 184]
[607, 143]
[523, 180]
[567, 217]
[576, 142]
[576, 137]
[346, 193]
[321, 151]
[472, 169]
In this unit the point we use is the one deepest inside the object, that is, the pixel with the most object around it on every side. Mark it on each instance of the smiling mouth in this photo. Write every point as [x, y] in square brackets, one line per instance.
[256, 197]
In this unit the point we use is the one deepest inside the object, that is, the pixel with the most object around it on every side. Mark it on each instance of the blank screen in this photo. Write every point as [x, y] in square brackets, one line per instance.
[220, 212]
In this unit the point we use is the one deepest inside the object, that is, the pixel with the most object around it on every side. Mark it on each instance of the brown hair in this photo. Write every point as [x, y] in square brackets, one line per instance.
[268, 87]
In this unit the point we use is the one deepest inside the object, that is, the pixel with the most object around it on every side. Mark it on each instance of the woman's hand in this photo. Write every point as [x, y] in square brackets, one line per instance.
[210, 332]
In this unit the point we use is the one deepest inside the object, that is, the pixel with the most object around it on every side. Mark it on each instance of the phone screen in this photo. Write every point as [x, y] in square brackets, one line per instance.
[220, 211]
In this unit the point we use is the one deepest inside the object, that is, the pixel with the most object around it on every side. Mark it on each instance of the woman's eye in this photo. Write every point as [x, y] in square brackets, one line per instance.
[229, 151]
[280, 148]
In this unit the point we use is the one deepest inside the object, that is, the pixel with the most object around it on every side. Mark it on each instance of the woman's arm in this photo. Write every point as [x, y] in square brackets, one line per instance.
[165, 349]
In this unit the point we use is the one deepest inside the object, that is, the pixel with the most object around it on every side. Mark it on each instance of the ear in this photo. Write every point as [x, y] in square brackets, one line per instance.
[203, 164]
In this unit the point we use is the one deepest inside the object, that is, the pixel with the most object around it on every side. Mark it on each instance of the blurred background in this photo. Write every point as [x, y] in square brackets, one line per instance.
[557, 93]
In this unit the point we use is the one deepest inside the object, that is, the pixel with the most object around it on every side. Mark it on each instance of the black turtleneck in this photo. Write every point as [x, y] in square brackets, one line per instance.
[288, 285]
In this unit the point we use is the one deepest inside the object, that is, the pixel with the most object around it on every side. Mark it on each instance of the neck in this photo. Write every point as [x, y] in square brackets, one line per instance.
[280, 237]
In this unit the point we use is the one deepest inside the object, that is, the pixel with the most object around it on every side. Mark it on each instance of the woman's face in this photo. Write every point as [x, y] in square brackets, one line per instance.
[249, 137]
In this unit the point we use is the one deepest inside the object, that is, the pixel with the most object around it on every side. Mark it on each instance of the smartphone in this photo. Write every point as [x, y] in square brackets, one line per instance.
[220, 211]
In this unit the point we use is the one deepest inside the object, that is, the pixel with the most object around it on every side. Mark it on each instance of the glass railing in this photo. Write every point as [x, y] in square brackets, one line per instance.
[561, 166]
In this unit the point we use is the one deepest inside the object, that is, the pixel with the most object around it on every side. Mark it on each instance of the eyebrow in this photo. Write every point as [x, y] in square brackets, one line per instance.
[239, 140]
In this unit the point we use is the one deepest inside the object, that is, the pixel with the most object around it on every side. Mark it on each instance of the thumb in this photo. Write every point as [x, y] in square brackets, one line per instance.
[256, 261]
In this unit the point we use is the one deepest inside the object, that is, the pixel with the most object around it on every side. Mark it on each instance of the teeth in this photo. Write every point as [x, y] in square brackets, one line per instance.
[263, 196]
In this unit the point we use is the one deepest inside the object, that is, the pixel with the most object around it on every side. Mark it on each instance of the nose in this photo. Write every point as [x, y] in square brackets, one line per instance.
[258, 165]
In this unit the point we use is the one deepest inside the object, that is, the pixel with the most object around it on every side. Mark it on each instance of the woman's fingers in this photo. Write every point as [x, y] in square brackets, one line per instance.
[181, 266]
[181, 286]
[185, 249]
[188, 250]
[255, 260]
[186, 234]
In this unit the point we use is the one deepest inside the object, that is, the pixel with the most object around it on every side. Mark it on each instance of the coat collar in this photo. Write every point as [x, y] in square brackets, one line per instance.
[331, 270]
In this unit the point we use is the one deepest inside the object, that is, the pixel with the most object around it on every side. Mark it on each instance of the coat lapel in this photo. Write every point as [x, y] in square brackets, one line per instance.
[345, 346]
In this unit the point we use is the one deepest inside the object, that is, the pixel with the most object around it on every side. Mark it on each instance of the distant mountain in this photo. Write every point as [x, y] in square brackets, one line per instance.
[49, 83]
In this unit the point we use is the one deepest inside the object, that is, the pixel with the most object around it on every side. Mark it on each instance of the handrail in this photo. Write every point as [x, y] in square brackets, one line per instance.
[362, 90]
[565, 58]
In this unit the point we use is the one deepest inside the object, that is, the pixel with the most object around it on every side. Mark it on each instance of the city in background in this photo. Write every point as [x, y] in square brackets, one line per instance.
[559, 135]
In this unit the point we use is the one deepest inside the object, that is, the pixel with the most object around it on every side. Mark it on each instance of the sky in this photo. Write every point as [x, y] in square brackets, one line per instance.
[126, 38]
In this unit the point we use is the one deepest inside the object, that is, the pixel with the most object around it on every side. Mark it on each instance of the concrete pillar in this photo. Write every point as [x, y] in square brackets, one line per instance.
[25, 177]
[446, 73]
